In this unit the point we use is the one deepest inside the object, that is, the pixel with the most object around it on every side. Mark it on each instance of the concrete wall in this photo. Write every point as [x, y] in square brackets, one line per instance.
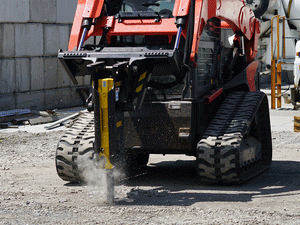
[31, 32]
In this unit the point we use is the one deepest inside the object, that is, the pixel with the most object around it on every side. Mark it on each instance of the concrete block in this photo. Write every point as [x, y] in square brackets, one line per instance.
[52, 98]
[7, 76]
[29, 39]
[7, 40]
[51, 40]
[7, 102]
[37, 74]
[43, 11]
[80, 80]
[70, 98]
[22, 74]
[15, 11]
[1, 40]
[62, 98]
[56, 37]
[31, 100]
[62, 77]
[87, 80]
[66, 10]
[50, 66]
[64, 36]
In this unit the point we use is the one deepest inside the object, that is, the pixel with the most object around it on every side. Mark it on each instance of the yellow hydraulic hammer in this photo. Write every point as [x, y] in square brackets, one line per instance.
[104, 87]
[109, 116]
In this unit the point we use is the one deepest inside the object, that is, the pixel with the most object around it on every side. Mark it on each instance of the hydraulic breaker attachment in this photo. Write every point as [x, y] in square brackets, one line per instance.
[102, 129]
[104, 87]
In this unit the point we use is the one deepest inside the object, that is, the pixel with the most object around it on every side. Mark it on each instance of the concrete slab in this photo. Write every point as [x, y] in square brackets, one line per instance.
[22, 74]
[63, 78]
[29, 38]
[282, 119]
[52, 98]
[87, 80]
[70, 98]
[1, 40]
[7, 76]
[64, 36]
[7, 102]
[15, 11]
[7, 40]
[50, 67]
[66, 11]
[37, 74]
[80, 80]
[31, 100]
[43, 11]
[62, 98]
[51, 40]
[56, 37]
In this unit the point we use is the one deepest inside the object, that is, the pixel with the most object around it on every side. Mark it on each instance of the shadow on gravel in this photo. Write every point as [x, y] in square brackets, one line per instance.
[175, 183]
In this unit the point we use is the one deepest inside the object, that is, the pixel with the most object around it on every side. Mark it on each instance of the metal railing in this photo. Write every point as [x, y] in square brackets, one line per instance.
[276, 65]
[277, 61]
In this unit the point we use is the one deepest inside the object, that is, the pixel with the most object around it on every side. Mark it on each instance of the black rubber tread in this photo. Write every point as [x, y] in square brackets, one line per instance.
[75, 145]
[218, 152]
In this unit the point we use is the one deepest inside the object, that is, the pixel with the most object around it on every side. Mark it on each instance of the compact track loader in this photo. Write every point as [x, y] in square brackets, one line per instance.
[164, 82]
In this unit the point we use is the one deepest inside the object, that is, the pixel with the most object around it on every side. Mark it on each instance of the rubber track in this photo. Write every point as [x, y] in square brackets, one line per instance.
[218, 151]
[74, 145]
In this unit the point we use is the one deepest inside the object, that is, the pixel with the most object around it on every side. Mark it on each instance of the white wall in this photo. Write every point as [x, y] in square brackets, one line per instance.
[31, 32]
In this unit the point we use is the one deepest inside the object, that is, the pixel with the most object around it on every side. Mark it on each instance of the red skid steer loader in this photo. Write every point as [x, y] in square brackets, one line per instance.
[163, 81]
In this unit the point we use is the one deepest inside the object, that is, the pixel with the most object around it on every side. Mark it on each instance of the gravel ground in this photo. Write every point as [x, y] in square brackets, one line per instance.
[167, 193]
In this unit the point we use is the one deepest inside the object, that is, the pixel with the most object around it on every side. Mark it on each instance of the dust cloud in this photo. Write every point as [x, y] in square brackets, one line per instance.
[94, 176]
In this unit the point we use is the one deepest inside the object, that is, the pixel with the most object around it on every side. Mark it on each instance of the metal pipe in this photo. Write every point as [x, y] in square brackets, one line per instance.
[278, 38]
[243, 45]
[273, 66]
[283, 37]
[292, 19]
[289, 8]
[82, 38]
[178, 38]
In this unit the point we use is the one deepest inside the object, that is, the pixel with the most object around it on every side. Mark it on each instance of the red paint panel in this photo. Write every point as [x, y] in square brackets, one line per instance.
[199, 24]
[92, 8]
[251, 71]
[137, 27]
[76, 28]
[211, 8]
[225, 25]
[213, 95]
[181, 8]
[85, 9]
